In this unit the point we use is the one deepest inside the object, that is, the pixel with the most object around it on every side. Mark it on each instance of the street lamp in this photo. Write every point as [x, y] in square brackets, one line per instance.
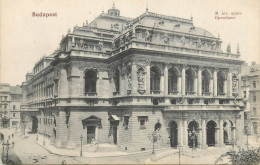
[81, 138]
[247, 133]
[193, 134]
[179, 147]
[7, 149]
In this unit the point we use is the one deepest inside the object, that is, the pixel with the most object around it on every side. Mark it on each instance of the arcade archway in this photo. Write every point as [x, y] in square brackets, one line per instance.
[193, 126]
[173, 134]
[211, 129]
[34, 124]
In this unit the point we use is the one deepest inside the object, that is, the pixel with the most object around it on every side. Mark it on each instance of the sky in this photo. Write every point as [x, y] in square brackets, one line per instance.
[25, 39]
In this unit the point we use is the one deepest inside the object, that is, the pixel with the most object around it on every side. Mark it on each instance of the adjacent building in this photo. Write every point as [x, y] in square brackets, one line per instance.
[11, 97]
[251, 92]
[118, 79]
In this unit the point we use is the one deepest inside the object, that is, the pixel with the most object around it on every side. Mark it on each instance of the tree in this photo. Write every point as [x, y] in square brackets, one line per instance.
[242, 156]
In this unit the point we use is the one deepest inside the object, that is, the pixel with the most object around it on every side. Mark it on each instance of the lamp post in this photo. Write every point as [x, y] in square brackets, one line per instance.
[246, 132]
[81, 138]
[7, 149]
[179, 147]
[193, 135]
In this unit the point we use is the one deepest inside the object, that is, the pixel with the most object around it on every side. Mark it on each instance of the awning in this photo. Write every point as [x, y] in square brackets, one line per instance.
[91, 120]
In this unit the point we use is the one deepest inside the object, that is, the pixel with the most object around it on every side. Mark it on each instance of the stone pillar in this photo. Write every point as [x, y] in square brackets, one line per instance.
[134, 79]
[233, 130]
[62, 130]
[63, 83]
[166, 66]
[185, 132]
[162, 84]
[211, 86]
[216, 137]
[221, 133]
[204, 134]
[183, 80]
[196, 85]
[75, 83]
[215, 83]
[199, 82]
[225, 87]
[179, 84]
[148, 77]
[200, 138]
[229, 79]
[180, 133]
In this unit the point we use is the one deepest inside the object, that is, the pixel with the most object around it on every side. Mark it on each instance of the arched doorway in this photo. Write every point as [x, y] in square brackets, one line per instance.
[34, 124]
[173, 134]
[211, 125]
[193, 126]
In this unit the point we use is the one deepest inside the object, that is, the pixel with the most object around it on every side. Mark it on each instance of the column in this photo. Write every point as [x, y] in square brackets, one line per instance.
[162, 84]
[63, 83]
[215, 83]
[221, 133]
[148, 77]
[229, 76]
[211, 86]
[61, 129]
[233, 129]
[185, 132]
[216, 137]
[180, 133]
[179, 84]
[195, 85]
[200, 138]
[204, 134]
[166, 79]
[183, 79]
[134, 79]
[225, 87]
[199, 82]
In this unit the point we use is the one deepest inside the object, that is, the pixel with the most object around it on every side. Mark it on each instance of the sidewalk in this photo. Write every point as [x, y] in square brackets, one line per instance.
[75, 153]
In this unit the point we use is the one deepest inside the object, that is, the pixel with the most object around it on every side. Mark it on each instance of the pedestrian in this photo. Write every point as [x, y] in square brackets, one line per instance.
[13, 144]
[63, 162]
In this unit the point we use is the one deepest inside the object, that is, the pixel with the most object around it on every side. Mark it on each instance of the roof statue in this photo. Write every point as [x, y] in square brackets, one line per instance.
[238, 50]
[229, 48]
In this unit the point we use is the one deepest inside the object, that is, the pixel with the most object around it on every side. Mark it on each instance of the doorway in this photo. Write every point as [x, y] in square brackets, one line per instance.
[91, 130]
[174, 134]
[211, 125]
[193, 126]
[115, 134]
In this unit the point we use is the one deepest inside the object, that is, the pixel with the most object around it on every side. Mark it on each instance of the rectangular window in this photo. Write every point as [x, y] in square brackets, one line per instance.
[254, 110]
[142, 120]
[126, 121]
[254, 97]
[254, 84]
[5, 106]
[13, 107]
[5, 98]
[13, 114]
[244, 94]
[244, 83]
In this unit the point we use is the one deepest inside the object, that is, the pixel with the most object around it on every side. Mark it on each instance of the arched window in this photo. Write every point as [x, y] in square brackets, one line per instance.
[189, 81]
[205, 81]
[154, 80]
[116, 81]
[172, 80]
[90, 82]
[221, 80]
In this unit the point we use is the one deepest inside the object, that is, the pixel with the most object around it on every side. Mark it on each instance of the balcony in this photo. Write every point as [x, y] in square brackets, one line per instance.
[190, 93]
[173, 92]
[206, 93]
[156, 92]
[90, 94]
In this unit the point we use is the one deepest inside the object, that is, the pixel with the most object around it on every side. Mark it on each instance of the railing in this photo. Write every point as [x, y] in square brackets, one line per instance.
[90, 94]
[221, 94]
[190, 93]
[173, 92]
[206, 93]
[155, 91]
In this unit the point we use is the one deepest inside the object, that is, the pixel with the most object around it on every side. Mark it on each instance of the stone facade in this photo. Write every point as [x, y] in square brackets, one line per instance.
[11, 98]
[118, 79]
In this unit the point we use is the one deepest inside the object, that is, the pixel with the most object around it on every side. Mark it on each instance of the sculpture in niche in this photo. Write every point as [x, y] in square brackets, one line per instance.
[101, 44]
[183, 40]
[147, 36]
[234, 84]
[165, 38]
[228, 48]
[81, 44]
[127, 39]
[121, 41]
[140, 78]
[198, 43]
[129, 79]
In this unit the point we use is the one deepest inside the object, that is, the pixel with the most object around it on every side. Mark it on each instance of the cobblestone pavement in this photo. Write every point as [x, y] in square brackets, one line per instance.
[31, 153]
